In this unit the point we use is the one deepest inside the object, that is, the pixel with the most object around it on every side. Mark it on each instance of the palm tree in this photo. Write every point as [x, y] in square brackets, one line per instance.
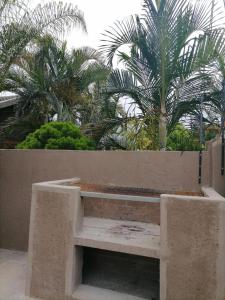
[52, 81]
[103, 118]
[169, 45]
[20, 26]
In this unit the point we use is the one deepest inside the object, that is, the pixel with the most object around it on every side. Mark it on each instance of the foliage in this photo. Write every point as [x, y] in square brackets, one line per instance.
[141, 136]
[15, 130]
[134, 135]
[170, 46]
[211, 134]
[54, 84]
[21, 30]
[57, 135]
[174, 67]
[20, 26]
[101, 118]
[182, 139]
[53, 81]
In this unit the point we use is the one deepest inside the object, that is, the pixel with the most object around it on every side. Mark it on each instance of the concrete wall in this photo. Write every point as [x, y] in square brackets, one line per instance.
[217, 181]
[56, 214]
[122, 210]
[192, 242]
[165, 171]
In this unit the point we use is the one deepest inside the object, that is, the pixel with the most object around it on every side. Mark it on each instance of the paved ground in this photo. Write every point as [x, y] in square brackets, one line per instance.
[12, 275]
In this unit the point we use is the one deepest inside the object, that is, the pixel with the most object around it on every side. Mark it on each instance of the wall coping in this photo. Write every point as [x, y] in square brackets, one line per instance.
[211, 193]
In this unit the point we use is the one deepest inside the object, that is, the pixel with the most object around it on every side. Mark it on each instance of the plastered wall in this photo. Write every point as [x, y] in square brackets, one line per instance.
[217, 181]
[164, 171]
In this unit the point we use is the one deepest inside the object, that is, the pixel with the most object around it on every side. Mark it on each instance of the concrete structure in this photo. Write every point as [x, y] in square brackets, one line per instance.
[73, 233]
[59, 233]
[19, 169]
[55, 215]
[216, 180]
[190, 245]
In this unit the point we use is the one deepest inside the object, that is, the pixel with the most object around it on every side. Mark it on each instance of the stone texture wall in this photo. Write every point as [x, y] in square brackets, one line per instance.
[192, 260]
[55, 215]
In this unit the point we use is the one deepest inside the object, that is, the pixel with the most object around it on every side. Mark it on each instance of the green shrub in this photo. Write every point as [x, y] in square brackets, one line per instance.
[57, 135]
[182, 139]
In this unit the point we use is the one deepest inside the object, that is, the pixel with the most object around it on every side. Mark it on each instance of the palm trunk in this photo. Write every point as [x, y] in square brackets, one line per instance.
[162, 128]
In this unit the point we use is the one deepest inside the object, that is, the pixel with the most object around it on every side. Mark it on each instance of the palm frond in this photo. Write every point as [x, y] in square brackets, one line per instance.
[20, 26]
[122, 33]
[55, 18]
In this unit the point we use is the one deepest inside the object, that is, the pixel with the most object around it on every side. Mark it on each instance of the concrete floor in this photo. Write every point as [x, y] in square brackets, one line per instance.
[12, 275]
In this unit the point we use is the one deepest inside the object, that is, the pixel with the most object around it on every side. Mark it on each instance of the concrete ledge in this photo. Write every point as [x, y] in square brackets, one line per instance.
[211, 193]
[57, 185]
[120, 236]
[120, 197]
[192, 198]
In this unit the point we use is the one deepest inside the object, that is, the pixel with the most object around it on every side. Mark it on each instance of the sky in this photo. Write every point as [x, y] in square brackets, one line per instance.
[99, 14]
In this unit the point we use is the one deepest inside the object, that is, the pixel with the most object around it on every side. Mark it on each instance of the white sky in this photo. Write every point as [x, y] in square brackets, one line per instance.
[99, 14]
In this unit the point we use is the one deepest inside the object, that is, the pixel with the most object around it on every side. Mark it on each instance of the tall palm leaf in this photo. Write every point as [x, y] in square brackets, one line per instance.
[50, 80]
[101, 118]
[171, 40]
[20, 25]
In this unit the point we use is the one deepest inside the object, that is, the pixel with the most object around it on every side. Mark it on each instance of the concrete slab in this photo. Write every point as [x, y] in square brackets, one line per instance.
[13, 266]
[121, 236]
